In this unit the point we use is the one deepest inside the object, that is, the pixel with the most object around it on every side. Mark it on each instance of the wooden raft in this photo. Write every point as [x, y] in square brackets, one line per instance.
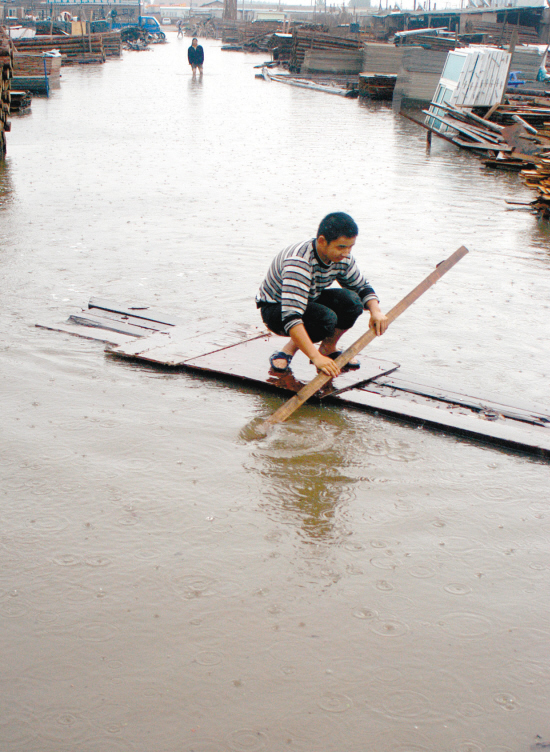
[140, 333]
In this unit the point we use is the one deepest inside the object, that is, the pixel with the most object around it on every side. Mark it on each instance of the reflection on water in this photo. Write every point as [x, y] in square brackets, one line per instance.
[302, 465]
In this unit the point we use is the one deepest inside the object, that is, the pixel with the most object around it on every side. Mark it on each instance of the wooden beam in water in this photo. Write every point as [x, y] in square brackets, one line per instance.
[136, 310]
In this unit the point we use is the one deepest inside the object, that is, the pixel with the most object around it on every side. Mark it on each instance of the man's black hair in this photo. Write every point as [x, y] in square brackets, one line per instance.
[337, 225]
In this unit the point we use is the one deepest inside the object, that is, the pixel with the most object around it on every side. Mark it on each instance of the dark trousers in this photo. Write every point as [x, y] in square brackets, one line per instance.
[334, 309]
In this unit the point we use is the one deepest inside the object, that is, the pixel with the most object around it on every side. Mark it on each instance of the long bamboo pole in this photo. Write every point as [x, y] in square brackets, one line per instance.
[286, 410]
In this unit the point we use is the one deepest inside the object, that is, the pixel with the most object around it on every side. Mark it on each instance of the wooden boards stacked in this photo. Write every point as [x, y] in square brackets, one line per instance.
[308, 41]
[419, 73]
[6, 68]
[376, 85]
[382, 58]
[88, 48]
[333, 61]
[138, 333]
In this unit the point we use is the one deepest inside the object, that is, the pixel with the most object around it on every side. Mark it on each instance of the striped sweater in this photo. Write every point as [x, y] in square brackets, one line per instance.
[297, 276]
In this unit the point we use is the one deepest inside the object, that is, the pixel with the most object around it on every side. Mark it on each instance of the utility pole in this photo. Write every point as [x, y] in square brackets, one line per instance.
[230, 10]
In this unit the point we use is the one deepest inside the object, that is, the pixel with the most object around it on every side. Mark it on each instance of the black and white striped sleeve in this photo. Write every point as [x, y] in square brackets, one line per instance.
[353, 279]
[296, 276]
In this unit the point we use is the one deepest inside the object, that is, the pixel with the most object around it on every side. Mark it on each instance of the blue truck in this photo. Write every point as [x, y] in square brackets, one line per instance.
[146, 24]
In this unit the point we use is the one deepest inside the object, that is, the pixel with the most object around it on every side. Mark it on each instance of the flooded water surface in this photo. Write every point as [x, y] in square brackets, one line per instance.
[348, 584]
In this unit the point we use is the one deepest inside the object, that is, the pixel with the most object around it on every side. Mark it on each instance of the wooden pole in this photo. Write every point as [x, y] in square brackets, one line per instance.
[286, 410]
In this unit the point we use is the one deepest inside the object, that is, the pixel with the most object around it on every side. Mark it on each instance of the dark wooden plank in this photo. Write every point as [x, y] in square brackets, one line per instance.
[176, 345]
[137, 310]
[520, 412]
[89, 332]
[123, 318]
[102, 323]
[249, 361]
[457, 420]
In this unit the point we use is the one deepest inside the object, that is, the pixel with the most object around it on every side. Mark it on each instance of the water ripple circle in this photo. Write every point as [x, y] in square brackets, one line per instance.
[209, 658]
[66, 560]
[465, 624]
[365, 613]
[456, 588]
[528, 673]
[468, 746]
[246, 740]
[335, 703]
[390, 628]
[422, 572]
[404, 703]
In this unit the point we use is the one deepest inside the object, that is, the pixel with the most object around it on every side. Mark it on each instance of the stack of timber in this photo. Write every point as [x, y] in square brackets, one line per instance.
[257, 36]
[539, 179]
[434, 41]
[32, 84]
[37, 64]
[153, 338]
[329, 61]
[501, 33]
[308, 41]
[20, 101]
[419, 74]
[376, 85]
[6, 64]
[75, 49]
[528, 59]
[280, 45]
[229, 32]
[382, 58]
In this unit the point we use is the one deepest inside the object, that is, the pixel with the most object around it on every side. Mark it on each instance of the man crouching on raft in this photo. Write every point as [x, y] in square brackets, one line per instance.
[294, 299]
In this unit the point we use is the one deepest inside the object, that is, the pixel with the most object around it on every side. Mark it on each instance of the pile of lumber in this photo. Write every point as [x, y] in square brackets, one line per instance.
[280, 46]
[419, 73]
[433, 41]
[466, 129]
[33, 84]
[380, 57]
[20, 101]
[6, 64]
[306, 41]
[333, 61]
[34, 64]
[501, 33]
[257, 35]
[539, 179]
[376, 85]
[77, 49]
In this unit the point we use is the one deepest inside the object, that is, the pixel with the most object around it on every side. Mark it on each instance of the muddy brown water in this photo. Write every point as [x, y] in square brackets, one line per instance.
[347, 584]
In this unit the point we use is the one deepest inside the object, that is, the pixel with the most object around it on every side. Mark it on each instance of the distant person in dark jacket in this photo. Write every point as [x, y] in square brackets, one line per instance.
[195, 55]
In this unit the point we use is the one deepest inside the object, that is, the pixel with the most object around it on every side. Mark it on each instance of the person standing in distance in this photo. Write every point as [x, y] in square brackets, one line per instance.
[195, 55]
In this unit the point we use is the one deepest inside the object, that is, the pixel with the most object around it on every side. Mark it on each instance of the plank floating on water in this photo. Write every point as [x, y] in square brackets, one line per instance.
[494, 429]
[89, 332]
[533, 414]
[103, 323]
[174, 346]
[372, 388]
[147, 327]
[249, 361]
[136, 310]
